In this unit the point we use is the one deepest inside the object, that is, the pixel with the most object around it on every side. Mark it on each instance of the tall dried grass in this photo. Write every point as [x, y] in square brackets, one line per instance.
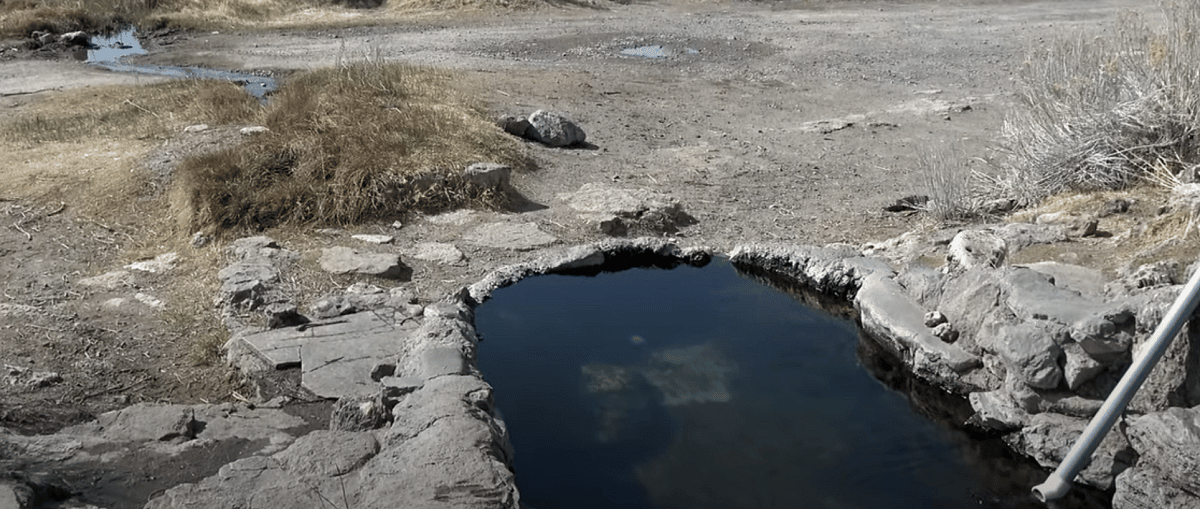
[952, 186]
[1104, 112]
[361, 140]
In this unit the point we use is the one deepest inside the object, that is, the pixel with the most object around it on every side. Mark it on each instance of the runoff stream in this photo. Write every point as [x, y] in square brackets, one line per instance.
[702, 388]
[108, 51]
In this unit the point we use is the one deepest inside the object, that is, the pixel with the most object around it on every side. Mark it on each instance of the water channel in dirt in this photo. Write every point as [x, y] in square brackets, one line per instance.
[108, 51]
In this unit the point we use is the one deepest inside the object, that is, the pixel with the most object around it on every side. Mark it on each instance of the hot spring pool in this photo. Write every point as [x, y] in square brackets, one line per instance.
[699, 388]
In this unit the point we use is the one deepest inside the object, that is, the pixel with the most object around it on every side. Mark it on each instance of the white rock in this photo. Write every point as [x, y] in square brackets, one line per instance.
[160, 263]
[374, 239]
[148, 300]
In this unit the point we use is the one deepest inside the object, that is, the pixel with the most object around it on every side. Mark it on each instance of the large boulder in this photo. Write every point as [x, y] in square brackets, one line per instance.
[1169, 441]
[1032, 354]
[975, 248]
[1048, 438]
[554, 130]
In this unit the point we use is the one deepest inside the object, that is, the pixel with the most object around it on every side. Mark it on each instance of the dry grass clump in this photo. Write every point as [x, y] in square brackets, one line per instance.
[125, 112]
[361, 140]
[19, 18]
[1103, 112]
[950, 184]
[88, 143]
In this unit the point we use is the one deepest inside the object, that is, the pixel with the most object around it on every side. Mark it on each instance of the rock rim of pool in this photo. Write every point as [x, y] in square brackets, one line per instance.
[1037, 348]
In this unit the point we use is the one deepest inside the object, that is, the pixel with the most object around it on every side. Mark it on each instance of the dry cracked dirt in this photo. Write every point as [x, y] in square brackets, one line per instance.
[768, 121]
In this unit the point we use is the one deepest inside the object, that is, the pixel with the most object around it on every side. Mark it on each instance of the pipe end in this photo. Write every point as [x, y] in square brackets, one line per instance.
[1053, 489]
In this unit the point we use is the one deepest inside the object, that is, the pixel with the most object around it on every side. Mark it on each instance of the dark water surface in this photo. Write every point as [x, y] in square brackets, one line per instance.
[698, 388]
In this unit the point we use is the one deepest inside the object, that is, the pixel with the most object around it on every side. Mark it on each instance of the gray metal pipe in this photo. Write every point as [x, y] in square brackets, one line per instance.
[1080, 455]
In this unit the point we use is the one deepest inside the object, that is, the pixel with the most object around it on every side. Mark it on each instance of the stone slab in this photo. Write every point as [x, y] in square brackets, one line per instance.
[337, 360]
[1088, 282]
[437, 252]
[889, 315]
[514, 236]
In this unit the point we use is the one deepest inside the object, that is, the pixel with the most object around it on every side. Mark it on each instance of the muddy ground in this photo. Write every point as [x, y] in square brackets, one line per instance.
[767, 121]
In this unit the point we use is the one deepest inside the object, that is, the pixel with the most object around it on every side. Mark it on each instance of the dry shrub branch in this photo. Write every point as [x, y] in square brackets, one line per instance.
[361, 140]
[1104, 112]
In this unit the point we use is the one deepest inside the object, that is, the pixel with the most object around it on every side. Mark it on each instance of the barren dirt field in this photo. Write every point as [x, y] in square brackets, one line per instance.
[768, 121]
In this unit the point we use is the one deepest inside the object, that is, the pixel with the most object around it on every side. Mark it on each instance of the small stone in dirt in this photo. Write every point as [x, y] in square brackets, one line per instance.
[1073, 225]
[250, 131]
[199, 240]
[149, 300]
[908, 203]
[554, 130]
[160, 263]
[44, 379]
[934, 318]
[110, 280]
[514, 125]
[195, 128]
[945, 332]
[618, 210]
[76, 38]
[374, 239]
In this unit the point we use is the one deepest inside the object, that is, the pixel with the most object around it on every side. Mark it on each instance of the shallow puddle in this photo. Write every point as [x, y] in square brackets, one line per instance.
[109, 50]
[657, 51]
[698, 388]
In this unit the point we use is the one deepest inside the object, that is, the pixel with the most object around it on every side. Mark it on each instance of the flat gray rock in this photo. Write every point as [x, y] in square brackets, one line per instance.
[438, 252]
[890, 316]
[337, 360]
[328, 453]
[146, 422]
[344, 260]
[1087, 282]
[513, 236]
[110, 280]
